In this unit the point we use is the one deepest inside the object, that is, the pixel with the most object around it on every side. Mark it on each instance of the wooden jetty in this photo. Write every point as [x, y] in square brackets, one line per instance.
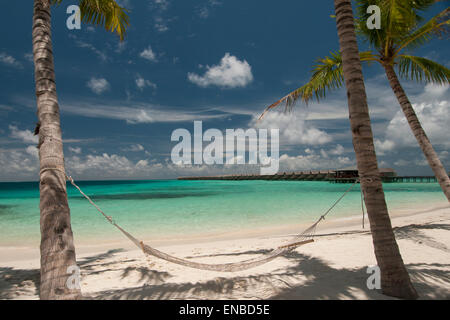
[349, 175]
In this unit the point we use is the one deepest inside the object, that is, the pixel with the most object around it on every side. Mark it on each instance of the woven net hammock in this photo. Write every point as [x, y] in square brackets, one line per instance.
[307, 236]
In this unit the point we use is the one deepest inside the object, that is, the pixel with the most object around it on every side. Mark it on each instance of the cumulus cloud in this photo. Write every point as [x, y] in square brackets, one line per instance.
[33, 151]
[25, 136]
[76, 150]
[19, 164]
[383, 146]
[104, 163]
[313, 161]
[229, 73]
[433, 111]
[161, 25]
[205, 10]
[23, 164]
[148, 54]
[294, 129]
[114, 166]
[29, 57]
[142, 83]
[9, 60]
[134, 148]
[161, 4]
[336, 151]
[98, 85]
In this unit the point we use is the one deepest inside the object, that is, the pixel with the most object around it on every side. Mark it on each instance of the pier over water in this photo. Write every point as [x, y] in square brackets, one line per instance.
[349, 175]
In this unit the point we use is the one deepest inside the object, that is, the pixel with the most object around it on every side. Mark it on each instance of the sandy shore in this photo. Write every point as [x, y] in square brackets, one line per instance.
[333, 267]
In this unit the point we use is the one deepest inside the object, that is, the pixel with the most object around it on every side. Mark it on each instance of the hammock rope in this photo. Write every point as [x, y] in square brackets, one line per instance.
[307, 236]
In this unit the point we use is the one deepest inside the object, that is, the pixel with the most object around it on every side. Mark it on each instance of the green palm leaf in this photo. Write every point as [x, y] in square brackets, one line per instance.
[419, 69]
[104, 13]
[436, 26]
[327, 74]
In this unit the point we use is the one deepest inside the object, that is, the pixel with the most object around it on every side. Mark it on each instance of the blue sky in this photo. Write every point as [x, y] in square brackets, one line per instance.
[217, 61]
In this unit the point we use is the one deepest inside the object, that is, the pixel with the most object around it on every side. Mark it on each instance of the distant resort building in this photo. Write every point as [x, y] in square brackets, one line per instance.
[352, 173]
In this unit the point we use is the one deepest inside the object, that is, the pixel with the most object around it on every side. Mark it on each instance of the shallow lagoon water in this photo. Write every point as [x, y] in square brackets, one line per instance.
[171, 209]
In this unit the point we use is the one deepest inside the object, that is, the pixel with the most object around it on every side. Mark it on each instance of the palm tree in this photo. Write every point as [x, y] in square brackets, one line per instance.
[400, 31]
[57, 248]
[394, 277]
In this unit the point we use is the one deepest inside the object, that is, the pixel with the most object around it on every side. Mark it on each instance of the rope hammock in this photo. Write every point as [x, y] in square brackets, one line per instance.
[307, 236]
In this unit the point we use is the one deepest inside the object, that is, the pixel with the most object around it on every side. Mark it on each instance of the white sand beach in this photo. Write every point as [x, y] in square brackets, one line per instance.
[332, 267]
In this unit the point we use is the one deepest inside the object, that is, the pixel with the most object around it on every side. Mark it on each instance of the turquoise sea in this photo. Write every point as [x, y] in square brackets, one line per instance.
[171, 209]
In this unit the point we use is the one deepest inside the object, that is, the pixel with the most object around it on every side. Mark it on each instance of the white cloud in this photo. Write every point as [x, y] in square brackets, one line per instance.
[205, 11]
[29, 57]
[5, 108]
[134, 148]
[434, 90]
[432, 109]
[98, 85]
[106, 163]
[76, 150]
[25, 136]
[161, 25]
[33, 151]
[23, 164]
[161, 4]
[9, 60]
[294, 129]
[19, 164]
[111, 166]
[229, 73]
[336, 151]
[382, 147]
[121, 46]
[148, 54]
[313, 161]
[142, 83]
[139, 113]
[401, 163]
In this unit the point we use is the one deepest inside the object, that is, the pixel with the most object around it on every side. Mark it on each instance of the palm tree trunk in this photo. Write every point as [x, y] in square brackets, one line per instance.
[57, 248]
[419, 133]
[395, 280]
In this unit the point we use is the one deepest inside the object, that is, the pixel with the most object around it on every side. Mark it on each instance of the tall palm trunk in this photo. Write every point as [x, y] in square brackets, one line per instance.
[419, 133]
[57, 248]
[394, 277]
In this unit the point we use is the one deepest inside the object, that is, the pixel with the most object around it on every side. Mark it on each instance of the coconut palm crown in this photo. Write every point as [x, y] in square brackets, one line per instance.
[103, 13]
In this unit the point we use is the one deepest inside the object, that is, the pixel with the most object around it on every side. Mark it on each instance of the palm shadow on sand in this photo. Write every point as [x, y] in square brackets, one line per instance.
[317, 278]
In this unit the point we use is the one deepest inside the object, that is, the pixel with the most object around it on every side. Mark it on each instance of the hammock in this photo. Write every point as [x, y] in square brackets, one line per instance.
[303, 238]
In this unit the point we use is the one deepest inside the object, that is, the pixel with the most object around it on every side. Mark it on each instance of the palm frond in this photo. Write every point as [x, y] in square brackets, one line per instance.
[436, 26]
[105, 13]
[327, 74]
[422, 69]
